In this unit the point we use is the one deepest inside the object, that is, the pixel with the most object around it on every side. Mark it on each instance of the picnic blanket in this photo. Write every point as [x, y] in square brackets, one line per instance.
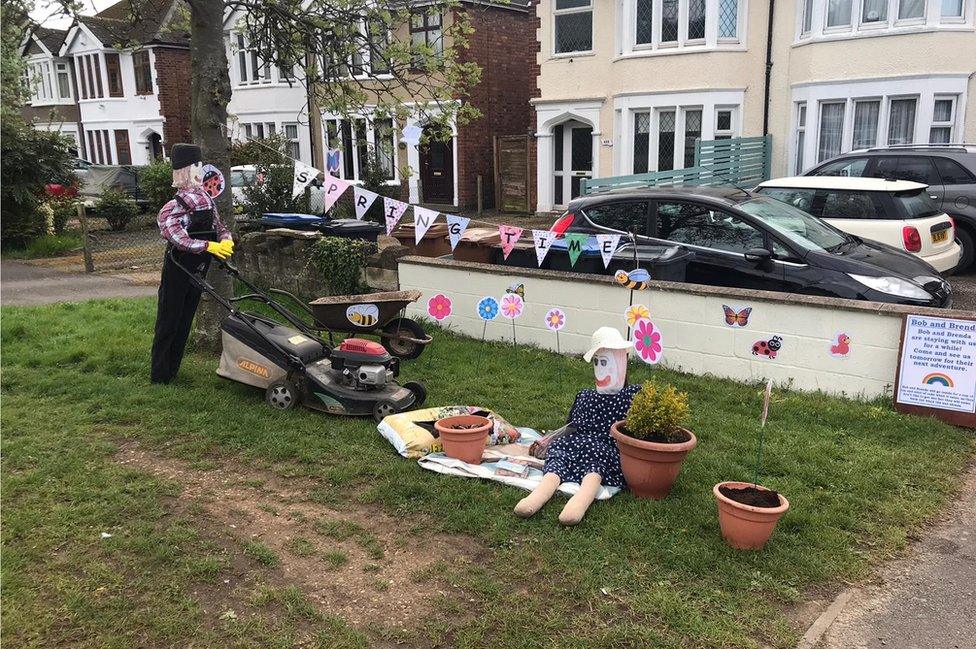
[493, 463]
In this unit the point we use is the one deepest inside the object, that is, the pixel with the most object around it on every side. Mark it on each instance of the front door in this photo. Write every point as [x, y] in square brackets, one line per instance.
[572, 160]
[437, 172]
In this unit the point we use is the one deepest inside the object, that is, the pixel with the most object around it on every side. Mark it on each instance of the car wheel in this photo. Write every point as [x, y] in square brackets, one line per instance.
[968, 244]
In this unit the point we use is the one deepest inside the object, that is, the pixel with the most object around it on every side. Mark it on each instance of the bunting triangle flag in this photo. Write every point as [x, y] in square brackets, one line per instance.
[542, 240]
[422, 220]
[363, 198]
[574, 245]
[510, 236]
[608, 245]
[456, 225]
[393, 209]
[303, 175]
[334, 188]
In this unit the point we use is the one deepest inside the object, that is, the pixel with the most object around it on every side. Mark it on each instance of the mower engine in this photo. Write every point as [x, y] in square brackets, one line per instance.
[363, 364]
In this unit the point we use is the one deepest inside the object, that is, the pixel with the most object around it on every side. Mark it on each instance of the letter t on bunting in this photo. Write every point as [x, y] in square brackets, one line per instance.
[510, 236]
[393, 209]
[364, 200]
[422, 220]
[608, 245]
[303, 175]
[334, 187]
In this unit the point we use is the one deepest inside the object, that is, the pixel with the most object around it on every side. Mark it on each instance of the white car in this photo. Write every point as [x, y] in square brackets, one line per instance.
[898, 213]
[243, 176]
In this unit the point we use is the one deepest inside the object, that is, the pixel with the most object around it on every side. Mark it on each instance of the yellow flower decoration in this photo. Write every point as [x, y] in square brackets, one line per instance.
[635, 313]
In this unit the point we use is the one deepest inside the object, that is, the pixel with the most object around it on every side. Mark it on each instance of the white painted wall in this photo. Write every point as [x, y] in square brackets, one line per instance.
[691, 320]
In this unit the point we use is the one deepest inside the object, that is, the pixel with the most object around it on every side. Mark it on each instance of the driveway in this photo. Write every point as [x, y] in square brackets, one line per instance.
[23, 284]
[964, 290]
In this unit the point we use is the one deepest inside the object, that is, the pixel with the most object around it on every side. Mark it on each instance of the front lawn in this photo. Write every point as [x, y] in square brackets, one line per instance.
[861, 480]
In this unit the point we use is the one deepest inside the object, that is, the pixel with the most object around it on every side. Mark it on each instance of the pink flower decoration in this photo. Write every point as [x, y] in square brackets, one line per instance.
[647, 342]
[439, 307]
[512, 305]
[555, 319]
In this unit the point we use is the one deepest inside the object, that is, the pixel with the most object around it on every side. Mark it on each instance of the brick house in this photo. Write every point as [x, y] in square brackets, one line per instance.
[443, 174]
[132, 72]
[52, 103]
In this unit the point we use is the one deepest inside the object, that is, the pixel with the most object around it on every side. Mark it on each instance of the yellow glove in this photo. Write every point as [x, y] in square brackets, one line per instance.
[228, 246]
[218, 250]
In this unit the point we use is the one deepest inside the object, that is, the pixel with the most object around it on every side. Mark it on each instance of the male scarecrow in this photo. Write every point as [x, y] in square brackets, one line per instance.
[193, 232]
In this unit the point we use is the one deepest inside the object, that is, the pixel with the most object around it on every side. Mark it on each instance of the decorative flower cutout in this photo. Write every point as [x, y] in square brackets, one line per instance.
[555, 319]
[488, 308]
[635, 313]
[647, 342]
[439, 307]
[512, 305]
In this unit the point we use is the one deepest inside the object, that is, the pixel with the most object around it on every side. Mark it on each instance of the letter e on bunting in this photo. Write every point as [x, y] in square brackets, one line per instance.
[334, 187]
[393, 209]
[608, 245]
[510, 236]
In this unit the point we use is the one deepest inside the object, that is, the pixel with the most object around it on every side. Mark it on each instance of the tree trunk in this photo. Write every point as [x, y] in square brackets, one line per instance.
[209, 96]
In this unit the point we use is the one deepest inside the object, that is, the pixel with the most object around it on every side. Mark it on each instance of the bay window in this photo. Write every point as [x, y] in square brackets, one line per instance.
[668, 24]
[664, 137]
[359, 139]
[669, 21]
[943, 119]
[572, 26]
[952, 8]
[644, 22]
[911, 9]
[838, 13]
[831, 130]
[728, 18]
[64, 81]
[901, 121]
[874, 11]
[846, 18]
[696, 20]
[865, 132]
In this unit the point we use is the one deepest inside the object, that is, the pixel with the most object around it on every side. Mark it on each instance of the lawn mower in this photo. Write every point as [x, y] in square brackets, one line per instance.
[294, 365]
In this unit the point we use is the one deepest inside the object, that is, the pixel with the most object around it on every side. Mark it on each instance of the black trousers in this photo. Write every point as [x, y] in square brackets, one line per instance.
[178, 301]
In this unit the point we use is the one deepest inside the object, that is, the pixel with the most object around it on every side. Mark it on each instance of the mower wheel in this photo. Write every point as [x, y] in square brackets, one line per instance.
[282, 395]
[383, 408]
[397, 345]
[419, 390]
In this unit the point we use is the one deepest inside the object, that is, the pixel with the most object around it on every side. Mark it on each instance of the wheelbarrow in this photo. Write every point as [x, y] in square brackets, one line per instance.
[376, 314]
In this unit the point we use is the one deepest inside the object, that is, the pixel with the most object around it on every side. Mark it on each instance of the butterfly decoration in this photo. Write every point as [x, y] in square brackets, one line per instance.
[517, 289]
[735, 318]
[636, 279]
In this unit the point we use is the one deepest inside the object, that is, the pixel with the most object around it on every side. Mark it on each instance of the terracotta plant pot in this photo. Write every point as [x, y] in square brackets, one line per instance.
[650, 467]
[465, 444]
[746, 527]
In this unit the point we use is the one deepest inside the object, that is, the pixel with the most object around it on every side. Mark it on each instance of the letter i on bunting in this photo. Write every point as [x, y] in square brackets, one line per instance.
[456, 225]
[334, 187]
[542, 240]
[422, 220]
[364, 200]
[393, 209]
[608, 245]
[510, 236]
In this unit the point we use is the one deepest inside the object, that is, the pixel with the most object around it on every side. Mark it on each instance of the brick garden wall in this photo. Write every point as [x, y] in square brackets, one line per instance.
[504, 45]
[173, 79]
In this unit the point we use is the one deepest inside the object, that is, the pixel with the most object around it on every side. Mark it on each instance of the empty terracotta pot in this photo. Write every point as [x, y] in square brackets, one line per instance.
[650, 468]
[464, 436]
[746, 527]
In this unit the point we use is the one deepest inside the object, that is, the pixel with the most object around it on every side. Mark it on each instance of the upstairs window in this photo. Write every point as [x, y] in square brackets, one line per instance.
[426, 36]
[64, 81]
[838, 13]
[728, 18]
[250, 67]
[660, 24]
[143, 72]
[952, 9]
[379, 40]
[573, 26]
[911, 9]
[696, 20]
[114, 71]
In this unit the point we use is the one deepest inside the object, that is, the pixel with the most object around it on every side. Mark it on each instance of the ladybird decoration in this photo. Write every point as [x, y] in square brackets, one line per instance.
[767, 347]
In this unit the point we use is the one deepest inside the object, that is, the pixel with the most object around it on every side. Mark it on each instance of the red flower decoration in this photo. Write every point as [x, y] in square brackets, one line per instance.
[439, 307]
[647, 342]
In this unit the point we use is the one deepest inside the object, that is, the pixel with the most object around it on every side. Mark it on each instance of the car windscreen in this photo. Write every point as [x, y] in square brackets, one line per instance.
[806, 231]
[915, 203]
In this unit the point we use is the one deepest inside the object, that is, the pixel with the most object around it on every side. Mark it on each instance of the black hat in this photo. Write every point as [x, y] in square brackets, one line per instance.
[185, 155]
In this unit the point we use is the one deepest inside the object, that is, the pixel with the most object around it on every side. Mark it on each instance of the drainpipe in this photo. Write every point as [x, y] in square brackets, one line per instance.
[769, 66]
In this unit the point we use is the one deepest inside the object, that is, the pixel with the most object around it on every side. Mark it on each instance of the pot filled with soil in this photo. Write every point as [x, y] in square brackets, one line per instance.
[748, 513]
[464, 436]
[652, 443]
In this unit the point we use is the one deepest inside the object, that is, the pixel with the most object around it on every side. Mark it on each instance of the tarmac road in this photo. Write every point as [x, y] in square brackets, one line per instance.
[23, 284]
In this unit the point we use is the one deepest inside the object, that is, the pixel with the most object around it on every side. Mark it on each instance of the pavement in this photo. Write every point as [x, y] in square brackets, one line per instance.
[24, 284]
[964, 294]
[926, 600]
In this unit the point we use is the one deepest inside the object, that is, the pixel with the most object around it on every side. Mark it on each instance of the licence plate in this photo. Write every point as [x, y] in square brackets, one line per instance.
[940, 236]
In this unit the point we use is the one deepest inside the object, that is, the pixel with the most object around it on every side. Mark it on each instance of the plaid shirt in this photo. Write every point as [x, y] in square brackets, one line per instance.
[172, 220]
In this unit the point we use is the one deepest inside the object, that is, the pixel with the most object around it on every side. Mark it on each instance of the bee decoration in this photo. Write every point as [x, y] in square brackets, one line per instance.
[363, 315]
[636, 279]
[518, 289]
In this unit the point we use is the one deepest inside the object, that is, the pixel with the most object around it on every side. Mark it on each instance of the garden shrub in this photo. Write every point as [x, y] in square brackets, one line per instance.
[117, 208]
[657, 413]
[156, 183]
[340, 262]
[272, 164]
[64, 209]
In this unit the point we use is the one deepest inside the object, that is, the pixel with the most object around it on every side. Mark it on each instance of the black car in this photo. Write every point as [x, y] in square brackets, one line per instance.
[948, 169]
[745, 240]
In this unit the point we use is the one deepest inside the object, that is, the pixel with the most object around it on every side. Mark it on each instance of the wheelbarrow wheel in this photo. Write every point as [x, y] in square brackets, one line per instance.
[397, 344]
[282, 395]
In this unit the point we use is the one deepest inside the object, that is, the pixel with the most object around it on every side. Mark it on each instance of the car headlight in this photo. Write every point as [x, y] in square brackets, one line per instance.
[892, 286]
[922, 280]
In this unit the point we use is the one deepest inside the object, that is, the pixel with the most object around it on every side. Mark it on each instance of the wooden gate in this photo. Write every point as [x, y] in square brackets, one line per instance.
[513, 173]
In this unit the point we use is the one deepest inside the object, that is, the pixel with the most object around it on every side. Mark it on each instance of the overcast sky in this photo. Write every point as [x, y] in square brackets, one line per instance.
[44, 8]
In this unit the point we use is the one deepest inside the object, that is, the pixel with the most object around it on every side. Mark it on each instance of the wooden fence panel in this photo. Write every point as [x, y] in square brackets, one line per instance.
[513, 173]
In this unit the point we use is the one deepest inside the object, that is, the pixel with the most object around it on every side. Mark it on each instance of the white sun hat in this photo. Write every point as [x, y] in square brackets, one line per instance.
[605, 338]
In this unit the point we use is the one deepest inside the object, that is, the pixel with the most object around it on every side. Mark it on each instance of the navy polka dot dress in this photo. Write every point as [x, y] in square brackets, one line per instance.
[591, 449]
